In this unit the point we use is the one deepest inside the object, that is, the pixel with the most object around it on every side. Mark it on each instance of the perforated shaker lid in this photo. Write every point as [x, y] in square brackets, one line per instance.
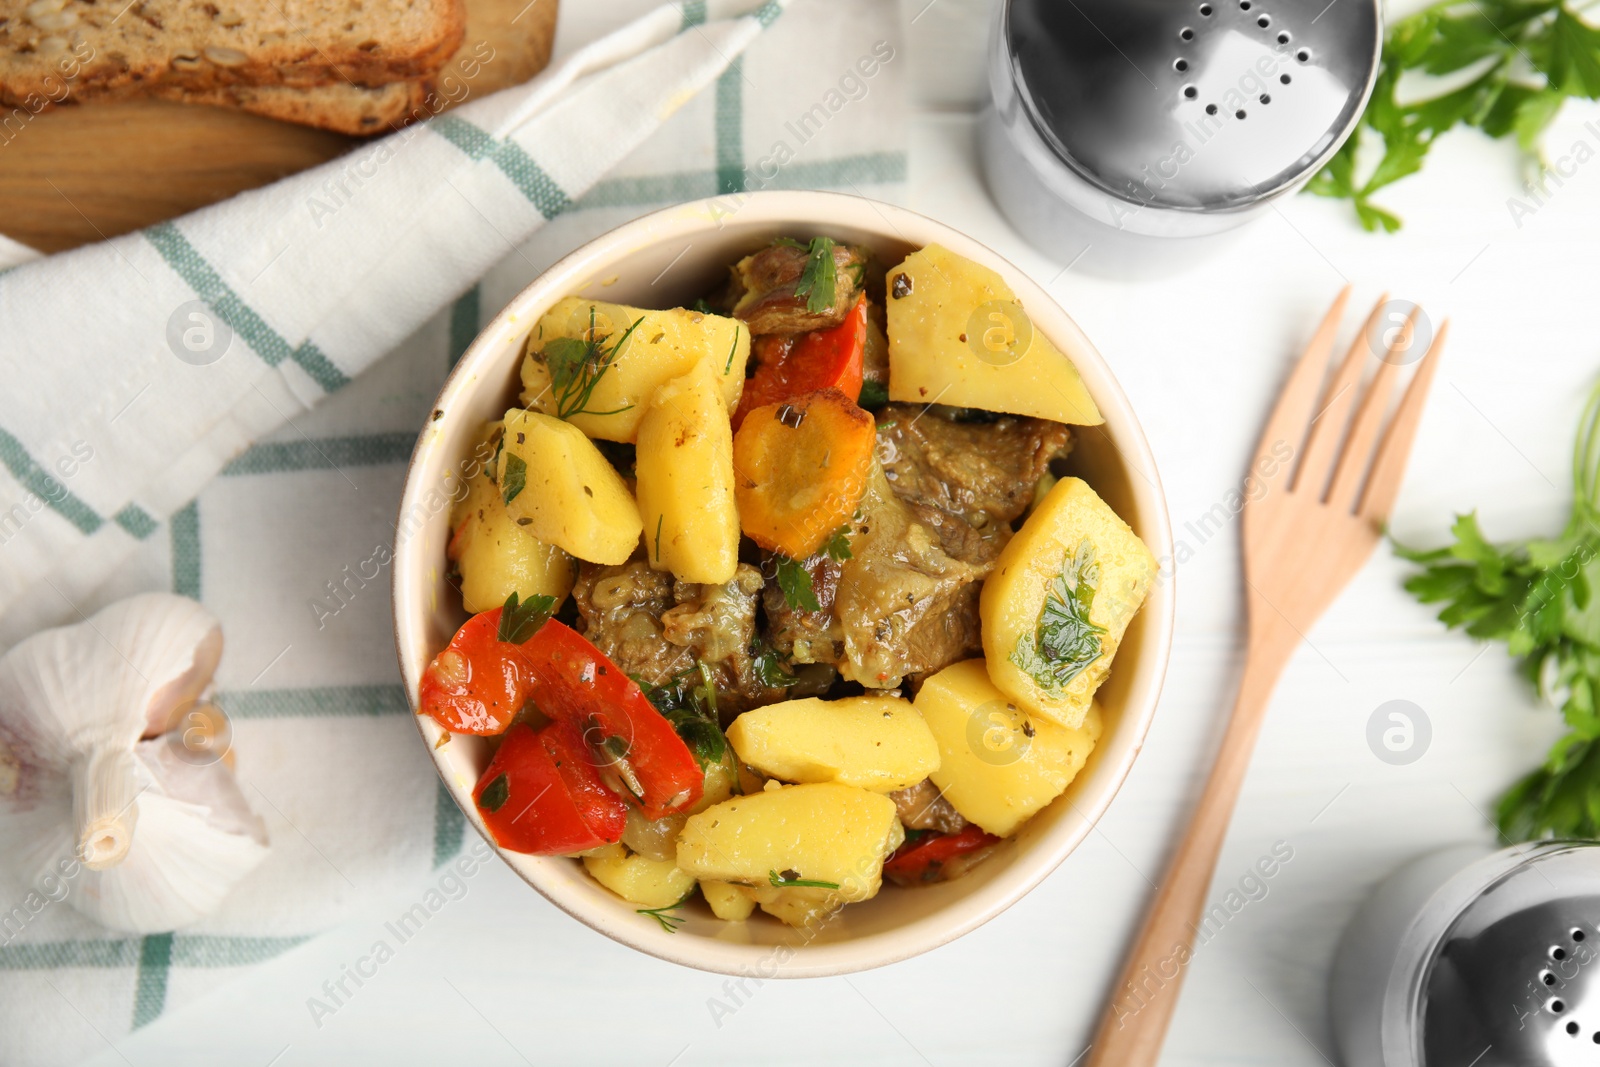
[1194, 104]
[1515, 981]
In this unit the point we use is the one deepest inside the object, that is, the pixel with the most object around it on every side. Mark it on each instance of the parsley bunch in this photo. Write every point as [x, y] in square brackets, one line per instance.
[1529, 57]
[1538, 597]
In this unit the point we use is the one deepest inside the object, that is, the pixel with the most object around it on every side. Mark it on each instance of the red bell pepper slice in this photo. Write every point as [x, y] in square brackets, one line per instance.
[542, 794]
[479, 682]
[923, 860]
[637, 747]
[787, 367]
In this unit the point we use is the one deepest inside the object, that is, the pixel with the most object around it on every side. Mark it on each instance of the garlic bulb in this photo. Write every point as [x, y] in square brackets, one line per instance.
[94, 789]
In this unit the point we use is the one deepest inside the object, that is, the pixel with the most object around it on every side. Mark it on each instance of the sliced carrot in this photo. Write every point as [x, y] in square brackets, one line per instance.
[800, 469]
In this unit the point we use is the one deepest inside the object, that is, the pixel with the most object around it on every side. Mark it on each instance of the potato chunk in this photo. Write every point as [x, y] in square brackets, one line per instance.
[685, 480]
[638, 878]
[1059, 599]
[496, 556]
[998, 765]
[665, 345]
[728, 901]
[875, 742]
[825, 832]
[570, 495]
[957, 335]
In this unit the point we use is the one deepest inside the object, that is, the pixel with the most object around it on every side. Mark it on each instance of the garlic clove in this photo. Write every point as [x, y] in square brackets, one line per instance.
[197, 838]
[105, 794]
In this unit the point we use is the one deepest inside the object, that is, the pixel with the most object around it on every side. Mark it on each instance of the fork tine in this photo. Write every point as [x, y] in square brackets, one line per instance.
[1328, 426]
[1390, 466]
[1357, 456]
[1287, 424]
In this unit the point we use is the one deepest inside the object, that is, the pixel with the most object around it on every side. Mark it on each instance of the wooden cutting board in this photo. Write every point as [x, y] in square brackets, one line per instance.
[85, 172]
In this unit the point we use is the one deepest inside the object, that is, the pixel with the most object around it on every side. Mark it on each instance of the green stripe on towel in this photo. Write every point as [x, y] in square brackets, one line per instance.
[465, 314]
[449, 826]
[324, 453]
[136, 521]
[185, 528]
[323, 702]
[874, 168]
[730, 128]
[38, 481]
[150, 987]
[514, 162]
[266, 342]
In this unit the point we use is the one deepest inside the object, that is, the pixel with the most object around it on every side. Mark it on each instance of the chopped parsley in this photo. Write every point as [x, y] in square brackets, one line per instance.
[495, 795]
[795, 582]
[772, 669]
[515, 479]
[838, 546]
[688, 700]
[521, 620]
[819, 278]
[1065, 642]
[874, 395]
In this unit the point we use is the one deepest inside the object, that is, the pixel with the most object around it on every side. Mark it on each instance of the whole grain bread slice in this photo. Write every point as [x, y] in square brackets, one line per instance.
[53, 50]
[354, 109]
[507, 42]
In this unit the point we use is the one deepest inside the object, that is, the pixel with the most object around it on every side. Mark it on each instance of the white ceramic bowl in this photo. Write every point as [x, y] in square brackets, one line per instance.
[666, 259]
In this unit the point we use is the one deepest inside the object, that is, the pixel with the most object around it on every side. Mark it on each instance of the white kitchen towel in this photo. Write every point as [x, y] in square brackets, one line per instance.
[224, 405]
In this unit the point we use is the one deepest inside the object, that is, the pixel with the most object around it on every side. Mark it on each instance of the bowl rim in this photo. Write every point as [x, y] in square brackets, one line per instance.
[810, 208]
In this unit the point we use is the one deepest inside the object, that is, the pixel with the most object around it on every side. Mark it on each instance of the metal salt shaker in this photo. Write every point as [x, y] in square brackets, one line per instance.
[1470, 956]
[1129, 137]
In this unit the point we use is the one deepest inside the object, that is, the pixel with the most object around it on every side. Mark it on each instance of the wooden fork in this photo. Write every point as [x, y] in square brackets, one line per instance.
[1305, 537]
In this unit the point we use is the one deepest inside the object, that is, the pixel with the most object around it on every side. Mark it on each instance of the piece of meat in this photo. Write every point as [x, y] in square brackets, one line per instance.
[982, 471]
[937, 512]
[905, 606]
[620, 609]
[923, 807]
[805, 636]
[766, 282]
[656, 628]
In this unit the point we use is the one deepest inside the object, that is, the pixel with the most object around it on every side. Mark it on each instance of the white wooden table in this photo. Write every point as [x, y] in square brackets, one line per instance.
[1201, 356]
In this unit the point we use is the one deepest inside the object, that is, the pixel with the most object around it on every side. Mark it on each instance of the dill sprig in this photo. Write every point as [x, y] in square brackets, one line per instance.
[578, 363]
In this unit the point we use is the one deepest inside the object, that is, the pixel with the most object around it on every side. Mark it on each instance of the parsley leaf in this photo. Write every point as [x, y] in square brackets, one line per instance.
[1504, 98]
[1537, 597]
[495, 795]
[795, 582]
[819, 277]
[691, 707]
[792, 878]
[520, 621]
[1065, 643]
[838, 546]
[771, 668]
[874, 395]
[515, 479]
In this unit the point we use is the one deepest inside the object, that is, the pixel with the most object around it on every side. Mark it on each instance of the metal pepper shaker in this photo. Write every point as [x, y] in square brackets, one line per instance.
[1471, 956]
[1130, 137]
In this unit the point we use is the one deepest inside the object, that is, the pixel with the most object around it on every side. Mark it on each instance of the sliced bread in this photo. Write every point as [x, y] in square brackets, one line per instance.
[87, 49]
[507, 42]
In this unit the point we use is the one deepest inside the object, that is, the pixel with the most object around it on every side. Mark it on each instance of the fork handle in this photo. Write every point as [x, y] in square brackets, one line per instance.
[1134, 1022]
